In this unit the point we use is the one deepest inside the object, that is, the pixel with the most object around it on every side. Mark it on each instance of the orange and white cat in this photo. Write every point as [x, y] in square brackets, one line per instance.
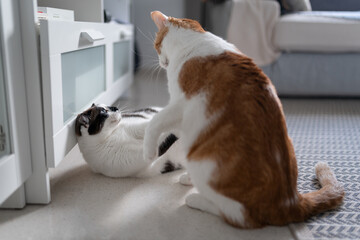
[233, 131]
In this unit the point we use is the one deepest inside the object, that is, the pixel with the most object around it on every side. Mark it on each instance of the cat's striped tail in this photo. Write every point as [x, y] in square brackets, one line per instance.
[330, 196]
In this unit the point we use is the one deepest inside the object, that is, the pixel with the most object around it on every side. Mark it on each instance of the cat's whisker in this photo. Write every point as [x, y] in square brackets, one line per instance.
[147, 71]
[149, 57]
[153, 69]
[158, 68]
[147, 37]
[122, 108]
[152, 36]
[143, 56]
[148, 64]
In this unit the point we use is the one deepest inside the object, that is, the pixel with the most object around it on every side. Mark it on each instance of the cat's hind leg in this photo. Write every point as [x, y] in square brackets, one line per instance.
[202, 173]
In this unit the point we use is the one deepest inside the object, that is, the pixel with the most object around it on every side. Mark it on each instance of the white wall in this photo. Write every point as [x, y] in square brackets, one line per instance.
[145, 26]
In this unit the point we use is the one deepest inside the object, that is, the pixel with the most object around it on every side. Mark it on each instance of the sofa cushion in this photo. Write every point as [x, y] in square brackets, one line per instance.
[317, 33]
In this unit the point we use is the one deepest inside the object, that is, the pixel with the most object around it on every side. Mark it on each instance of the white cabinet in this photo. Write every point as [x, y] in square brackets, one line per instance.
[82, 63]
[15, 161]
[49, 76]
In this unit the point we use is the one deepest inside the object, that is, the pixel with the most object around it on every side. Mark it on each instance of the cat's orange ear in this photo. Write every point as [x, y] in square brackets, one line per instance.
[159, 19]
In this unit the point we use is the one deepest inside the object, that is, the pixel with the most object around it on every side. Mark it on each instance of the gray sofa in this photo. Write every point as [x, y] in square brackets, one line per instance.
[323, 59]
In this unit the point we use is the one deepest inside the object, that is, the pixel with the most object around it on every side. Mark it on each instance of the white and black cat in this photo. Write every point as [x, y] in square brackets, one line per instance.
[112, 142]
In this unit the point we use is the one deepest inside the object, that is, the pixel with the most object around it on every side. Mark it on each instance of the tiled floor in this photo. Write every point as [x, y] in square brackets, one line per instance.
[90, 206]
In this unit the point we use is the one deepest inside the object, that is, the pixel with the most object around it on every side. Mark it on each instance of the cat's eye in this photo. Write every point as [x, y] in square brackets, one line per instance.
[113, 109]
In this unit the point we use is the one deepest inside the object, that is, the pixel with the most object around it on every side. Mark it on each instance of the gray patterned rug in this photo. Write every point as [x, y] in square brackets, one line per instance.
[327, 130]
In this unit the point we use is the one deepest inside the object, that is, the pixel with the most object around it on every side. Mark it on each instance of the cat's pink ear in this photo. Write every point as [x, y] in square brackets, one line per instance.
[159, 19]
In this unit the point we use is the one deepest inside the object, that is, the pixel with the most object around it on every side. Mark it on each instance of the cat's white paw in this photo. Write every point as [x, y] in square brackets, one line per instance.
[194, 200]
[149, 154]
[185, 180]
[197, 201]
[150, 147]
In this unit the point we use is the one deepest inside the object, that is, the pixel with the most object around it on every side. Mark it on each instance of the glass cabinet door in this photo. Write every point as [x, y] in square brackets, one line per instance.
[83, 78]
[15, 154]
[121, 59]
[4, 131]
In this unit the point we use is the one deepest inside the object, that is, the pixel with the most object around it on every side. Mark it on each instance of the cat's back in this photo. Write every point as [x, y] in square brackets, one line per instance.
[240, 100]
[228, 75]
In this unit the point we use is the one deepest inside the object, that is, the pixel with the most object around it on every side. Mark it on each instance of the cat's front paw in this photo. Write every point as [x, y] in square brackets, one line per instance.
[150, 151]
[150, 144]
[149, 154]
[185, 179]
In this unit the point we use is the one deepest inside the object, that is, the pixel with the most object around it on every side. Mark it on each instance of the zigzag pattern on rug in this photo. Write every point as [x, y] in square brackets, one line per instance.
[328, 130]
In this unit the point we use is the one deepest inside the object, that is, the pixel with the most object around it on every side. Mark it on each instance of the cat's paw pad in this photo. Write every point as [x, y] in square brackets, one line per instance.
[194, 200]
[185, 180]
